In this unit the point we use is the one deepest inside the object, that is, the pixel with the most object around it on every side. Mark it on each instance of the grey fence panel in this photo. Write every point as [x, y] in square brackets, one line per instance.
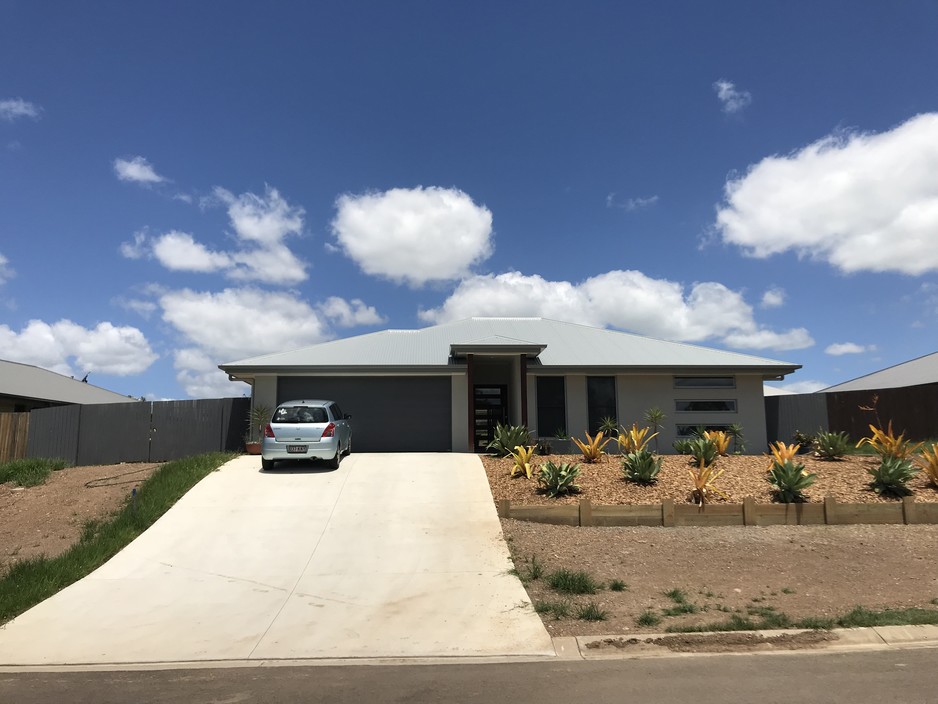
[184, 428]
[234, 423]
[53, 432]
[786, 414]
[114, 432]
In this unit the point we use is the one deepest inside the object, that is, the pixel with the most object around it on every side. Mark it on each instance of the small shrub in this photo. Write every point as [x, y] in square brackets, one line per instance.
[683, 446]
[802, 439]
[790, 481]
[523, 465]
[647, 619]
[704, 451]
[641, 467]
[592, 447]
[609, 426]
[890, 477]
[677, 595]
[831, 446]
[703, 478]
[720, 439]
[656, 417]
[617, 585]
[570, 582]
[929, 462]
[591, 612]
[558, 479]
[783, 453]
[535, 568]
[507, 437]
[885, 443]
[735, 431]
[634, 439]
[30, 472]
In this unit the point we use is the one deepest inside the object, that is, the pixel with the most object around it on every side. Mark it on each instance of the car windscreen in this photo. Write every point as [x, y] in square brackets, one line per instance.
[300, 414]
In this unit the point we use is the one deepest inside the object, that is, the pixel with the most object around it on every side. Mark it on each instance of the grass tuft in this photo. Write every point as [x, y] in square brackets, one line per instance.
[557, 609]
[30, 581]
[31, 471]
[591, 612]
[570, 582]
[648, 618]
[617, 585]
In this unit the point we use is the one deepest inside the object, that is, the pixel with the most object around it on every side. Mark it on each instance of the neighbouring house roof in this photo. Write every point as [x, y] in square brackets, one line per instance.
[775, 391]
[922, 370]
[550, 344]
[29, 382]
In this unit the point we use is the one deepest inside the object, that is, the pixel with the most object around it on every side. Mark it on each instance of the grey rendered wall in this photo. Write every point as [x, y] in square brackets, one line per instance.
[389, 414]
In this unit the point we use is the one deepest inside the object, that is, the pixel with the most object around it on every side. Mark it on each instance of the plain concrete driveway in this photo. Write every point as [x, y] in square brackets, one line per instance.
[391, 555]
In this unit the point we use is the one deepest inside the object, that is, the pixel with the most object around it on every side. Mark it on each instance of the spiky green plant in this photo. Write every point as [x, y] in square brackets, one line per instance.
[558, 479]
[831, 445]
[682, 446]
[656, 417]
[704, 451]
[891, 476]
[641, 467]
[790, 481]
[609, 426]
[507, 437]
[735, 431]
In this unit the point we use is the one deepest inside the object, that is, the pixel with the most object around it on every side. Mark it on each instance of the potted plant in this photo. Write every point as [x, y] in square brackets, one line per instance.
[258, 418]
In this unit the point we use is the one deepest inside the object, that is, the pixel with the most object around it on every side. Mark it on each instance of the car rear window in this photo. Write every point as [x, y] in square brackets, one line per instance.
[300, 414]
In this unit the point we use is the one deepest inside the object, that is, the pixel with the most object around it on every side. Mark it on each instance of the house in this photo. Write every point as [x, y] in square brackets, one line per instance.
[915, 372]
[443, 388]
[24, 387]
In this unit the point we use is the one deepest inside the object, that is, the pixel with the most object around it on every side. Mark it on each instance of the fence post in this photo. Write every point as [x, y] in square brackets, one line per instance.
[749, 512]
[908, 510]
[586, 512]
[504, 508]
[667, 513]
[830, 510]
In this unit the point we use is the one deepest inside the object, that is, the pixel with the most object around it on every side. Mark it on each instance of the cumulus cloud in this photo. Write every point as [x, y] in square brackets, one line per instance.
[773, 298]
[6, 271]
[137, 170]
[732, 99]
[808, 386]
[628, 300]
[178, 251]
[15, 108]
[200, 376]
[842, 348]
[66, 346]
[414, 236]
[861, 202]
[347, 314]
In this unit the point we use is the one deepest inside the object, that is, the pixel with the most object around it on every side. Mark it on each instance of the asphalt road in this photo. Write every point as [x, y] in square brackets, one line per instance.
[883, 677]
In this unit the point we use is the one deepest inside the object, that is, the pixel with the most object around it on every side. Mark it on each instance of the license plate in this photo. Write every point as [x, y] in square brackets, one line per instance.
[296, 448]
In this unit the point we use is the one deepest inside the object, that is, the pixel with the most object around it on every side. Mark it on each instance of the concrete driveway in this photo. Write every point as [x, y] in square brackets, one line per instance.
[391, 555]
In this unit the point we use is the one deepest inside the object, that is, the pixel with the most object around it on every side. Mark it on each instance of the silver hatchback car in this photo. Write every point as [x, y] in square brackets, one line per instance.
[307, 429]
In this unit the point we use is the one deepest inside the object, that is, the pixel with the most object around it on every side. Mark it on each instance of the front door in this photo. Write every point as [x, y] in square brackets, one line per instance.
[490, 402]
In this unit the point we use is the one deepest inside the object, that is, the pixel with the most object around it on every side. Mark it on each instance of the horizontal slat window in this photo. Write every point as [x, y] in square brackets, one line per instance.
[725, 405]
[704, 382]
[686, 431]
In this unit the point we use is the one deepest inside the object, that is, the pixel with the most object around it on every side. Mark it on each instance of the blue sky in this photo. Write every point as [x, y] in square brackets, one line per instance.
[189, 183]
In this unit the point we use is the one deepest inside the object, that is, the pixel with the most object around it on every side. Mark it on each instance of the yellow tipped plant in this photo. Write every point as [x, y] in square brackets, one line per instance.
[634, 440]
[522, 456]
[886, 444]
[704, 476]
[592, 449]
[782, 453]
[929, 462]
[720, 439]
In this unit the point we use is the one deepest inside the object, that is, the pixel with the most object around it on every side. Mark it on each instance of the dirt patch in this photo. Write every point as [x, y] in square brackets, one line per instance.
[721, 642]
[47, 519]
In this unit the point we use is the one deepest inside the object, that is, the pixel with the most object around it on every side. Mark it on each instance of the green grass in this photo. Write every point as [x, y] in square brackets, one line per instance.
[648, 618]
[29, 472]
[30, 581]
[678, 596]
[557, 609]
[617, 585]
[591, 612]
[680, 609]
[768, 619]
[570, 582]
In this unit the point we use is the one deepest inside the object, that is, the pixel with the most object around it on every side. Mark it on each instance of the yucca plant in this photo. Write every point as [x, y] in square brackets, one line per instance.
[735, 431]
[609, 426]
[885, 443]
[720, 439]
[890, 477]
[507, 437]
[522, 456]
[782, 453]
[830, 445]
[703, 477]
[929, 462]
[656, 417]
[592, 448]
[704, 451]
[558, 479]
[634, 439]
[790, 480]
[641, 467]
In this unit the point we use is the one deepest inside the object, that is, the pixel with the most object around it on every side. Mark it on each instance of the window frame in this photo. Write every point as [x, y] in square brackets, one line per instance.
[733, 401]
[712, 379]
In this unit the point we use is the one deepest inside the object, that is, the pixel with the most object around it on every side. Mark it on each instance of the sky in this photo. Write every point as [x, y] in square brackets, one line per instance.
[184, 184]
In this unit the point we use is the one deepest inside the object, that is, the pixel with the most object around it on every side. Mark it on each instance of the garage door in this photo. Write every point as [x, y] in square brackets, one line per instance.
[389, 414]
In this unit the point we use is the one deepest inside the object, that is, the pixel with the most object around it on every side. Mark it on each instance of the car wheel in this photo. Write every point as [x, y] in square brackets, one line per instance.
[334, 462]
[348, 448]
[267, 464]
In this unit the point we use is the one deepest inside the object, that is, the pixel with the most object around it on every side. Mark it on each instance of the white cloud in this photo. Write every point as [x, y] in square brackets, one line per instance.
[773, 298]
[808, 386]
[177, 251]
[266, 219]
[136, 170]
[6, 271]
[139, 306]
[64, 346]
[630, 204]
[14, 108]
[842, 348]
[136, 249]
[200, 376]
[415, 235]
[628, 300]
[861, 202]
[347, 314]
[733, 100]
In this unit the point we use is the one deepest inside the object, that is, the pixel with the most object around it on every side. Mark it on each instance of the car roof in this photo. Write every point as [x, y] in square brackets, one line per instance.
[306, 402]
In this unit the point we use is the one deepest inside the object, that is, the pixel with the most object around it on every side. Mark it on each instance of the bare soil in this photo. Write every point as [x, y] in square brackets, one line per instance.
[801, 571]
[47, 519]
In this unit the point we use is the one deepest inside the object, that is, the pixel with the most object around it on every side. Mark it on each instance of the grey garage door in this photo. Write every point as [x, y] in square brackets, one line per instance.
[389, 414]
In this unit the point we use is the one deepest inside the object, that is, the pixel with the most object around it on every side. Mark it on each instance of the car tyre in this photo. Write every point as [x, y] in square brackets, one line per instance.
[348, 448]
[266, 464]
[334, 462]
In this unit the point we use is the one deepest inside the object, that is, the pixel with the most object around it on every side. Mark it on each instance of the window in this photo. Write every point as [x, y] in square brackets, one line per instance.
[300, 414]
[551, 406]
[727, 405]
[337, 412]
[686, 431]
[704, 382]
[600, 400]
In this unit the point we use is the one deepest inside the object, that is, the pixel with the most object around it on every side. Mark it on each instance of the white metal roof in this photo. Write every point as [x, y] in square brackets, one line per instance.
[27, 381]
[566, 345]
[922, 370]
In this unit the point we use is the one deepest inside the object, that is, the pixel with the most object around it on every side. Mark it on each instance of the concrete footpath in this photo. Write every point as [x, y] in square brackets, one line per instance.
[390, 556]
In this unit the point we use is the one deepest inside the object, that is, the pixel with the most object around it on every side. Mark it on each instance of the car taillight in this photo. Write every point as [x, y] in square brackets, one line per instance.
[268, 431]
[329, 431]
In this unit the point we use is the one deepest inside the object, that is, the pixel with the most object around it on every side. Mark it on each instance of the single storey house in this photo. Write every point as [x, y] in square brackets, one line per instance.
[24, 387]
[443, 388]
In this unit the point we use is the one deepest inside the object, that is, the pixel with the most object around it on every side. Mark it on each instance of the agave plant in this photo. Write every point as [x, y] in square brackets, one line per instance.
[830, 445]
[703, 477]
[704, 451]
[522, 456]
[929, 462]
[720, 439]
[641, 467]
[885, 443]
[592, 448]
[783, 453]
[790, 480]
[558, 479]
[890, 477]
[683, 446]
[507, 437]
[635, 439]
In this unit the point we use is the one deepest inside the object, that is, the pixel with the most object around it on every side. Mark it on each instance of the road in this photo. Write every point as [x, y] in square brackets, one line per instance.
[900, 676]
